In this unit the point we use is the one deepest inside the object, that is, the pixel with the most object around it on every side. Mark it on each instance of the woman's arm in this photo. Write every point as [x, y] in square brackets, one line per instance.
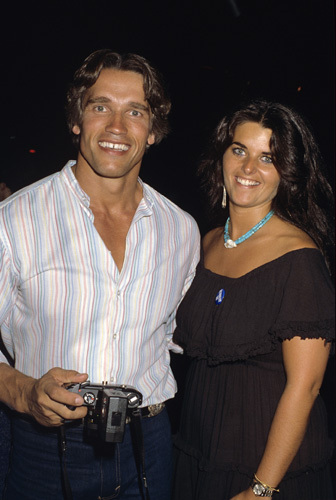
[305, 362]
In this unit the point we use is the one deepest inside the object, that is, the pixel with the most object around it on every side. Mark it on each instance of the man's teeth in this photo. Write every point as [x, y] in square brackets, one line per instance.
[246, 182]
[111, 145]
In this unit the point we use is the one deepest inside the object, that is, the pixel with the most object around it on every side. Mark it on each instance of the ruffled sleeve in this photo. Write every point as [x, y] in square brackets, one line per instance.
[308, 304]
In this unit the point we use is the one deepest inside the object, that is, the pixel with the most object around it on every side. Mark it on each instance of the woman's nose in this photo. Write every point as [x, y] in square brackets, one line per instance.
[249, 165]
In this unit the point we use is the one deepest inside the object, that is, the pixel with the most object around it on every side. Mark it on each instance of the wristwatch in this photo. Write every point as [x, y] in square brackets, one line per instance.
[261, 489]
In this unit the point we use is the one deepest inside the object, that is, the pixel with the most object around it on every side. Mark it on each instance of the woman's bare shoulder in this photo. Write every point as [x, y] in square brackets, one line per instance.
[212, 237]
[290, 237]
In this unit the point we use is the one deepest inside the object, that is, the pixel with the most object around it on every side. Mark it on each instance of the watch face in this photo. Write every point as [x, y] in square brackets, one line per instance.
[258, 490]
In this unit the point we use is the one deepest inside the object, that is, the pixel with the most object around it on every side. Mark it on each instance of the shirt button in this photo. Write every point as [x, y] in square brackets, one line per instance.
[112, 379]
[115, 336]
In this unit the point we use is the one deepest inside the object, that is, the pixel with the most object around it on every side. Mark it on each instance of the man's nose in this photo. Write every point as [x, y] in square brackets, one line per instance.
[116, 124]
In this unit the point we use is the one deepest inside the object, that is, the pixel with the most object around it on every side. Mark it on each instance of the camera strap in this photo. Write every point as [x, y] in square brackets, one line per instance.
[65, 478]
[139, 455]
[139, 451]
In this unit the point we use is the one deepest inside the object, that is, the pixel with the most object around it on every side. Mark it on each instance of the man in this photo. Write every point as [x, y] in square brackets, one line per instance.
[5, 191]
[93, 264]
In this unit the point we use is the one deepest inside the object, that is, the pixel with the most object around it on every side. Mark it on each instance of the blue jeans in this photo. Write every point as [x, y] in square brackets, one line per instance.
[96, 471]
[5, 440]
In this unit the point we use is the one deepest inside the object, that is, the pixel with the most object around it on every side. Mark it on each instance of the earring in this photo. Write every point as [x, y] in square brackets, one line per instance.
[224, 197]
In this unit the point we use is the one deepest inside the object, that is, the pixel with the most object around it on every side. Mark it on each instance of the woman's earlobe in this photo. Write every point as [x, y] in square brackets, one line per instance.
[76, 129]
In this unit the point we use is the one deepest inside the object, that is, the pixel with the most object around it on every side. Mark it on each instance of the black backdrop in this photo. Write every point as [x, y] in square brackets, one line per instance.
[211, 55]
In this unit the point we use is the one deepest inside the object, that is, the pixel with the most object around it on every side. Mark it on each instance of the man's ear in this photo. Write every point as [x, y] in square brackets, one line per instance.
[151, 139]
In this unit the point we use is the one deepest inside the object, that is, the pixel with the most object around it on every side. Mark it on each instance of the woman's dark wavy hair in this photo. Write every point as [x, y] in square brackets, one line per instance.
[304, 197]
[88, 73]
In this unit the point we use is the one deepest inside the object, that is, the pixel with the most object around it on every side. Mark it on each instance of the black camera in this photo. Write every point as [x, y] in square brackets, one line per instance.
[108, 406]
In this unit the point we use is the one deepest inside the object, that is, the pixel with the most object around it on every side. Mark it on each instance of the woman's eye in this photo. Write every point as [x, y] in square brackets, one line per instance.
[238, 151]
[267, 159]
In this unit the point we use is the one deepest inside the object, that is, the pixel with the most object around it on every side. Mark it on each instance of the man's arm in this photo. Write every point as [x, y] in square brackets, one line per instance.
[195, 242]
[44, 399]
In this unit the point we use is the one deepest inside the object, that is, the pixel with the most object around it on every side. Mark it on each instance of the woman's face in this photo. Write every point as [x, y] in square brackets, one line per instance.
[250, 177]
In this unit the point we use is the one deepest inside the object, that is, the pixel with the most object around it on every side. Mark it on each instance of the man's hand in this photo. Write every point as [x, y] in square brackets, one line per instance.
[46, 399]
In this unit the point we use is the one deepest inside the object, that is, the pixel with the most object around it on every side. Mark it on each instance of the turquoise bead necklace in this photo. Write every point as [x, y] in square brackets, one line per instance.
[229, 243]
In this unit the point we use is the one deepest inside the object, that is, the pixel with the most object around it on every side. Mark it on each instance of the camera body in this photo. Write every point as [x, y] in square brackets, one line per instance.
[108, 406]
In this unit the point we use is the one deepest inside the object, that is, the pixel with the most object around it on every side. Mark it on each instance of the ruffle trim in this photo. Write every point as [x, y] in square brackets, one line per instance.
[306, 330]
[205, 465]
[227, 353]
[216, 354]
[220, 354]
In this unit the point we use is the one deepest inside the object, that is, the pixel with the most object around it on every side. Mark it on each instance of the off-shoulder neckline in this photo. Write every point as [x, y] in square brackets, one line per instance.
[256, 269]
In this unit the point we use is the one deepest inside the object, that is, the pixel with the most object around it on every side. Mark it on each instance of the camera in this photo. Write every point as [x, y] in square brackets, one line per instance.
[108, 406]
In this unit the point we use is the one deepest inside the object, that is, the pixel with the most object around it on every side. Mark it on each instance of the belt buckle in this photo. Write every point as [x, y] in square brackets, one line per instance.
[155, 409]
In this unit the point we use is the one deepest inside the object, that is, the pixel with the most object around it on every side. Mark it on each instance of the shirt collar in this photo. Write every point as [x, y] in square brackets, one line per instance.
[147, 202]
[72, 182]
[145, 205]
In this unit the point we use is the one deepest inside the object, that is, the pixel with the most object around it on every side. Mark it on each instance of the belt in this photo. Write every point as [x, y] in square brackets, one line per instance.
[149, 411]
[146, 412]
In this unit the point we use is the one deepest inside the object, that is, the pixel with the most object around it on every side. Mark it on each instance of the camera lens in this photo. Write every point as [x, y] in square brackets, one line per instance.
[133, 400]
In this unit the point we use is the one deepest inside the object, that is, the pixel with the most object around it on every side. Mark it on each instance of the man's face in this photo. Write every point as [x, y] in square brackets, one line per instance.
[116, 125]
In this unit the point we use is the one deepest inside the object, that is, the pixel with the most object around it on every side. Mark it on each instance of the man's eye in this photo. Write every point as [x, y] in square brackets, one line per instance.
[100, 108]
[135, 112]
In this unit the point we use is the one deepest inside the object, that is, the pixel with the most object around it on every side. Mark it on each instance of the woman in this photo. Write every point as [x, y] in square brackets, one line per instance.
[257, 321]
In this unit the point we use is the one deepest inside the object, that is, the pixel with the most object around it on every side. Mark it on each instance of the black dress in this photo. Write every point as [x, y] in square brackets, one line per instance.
[233, 329]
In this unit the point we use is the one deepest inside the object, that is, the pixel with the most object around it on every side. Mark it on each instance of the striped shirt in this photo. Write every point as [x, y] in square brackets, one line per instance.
[63, 301]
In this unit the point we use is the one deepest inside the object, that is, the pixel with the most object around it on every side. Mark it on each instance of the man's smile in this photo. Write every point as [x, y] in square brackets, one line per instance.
[112, 145]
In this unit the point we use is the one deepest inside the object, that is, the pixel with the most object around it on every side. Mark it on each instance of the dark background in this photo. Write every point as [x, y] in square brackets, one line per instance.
[210, 55]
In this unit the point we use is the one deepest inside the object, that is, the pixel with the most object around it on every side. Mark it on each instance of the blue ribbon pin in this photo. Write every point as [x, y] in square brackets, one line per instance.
[220, 296]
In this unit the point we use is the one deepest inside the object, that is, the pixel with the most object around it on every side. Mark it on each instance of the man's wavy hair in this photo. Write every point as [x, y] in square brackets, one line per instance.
[304, 197]
[88, 73]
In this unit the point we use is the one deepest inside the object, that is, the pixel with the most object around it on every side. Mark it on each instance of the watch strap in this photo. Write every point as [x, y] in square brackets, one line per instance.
[261, 489]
